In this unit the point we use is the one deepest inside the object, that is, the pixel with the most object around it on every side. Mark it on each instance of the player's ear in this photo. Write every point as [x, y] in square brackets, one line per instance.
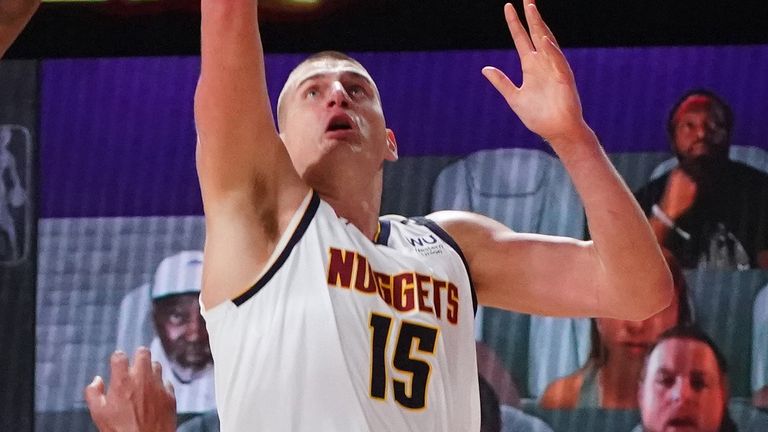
[391, 146]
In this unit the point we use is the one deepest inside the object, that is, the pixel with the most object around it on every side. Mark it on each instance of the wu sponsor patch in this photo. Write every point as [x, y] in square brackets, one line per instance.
[427, 245]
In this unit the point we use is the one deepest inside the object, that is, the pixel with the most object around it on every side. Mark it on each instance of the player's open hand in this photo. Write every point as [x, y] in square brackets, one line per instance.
[547, 101]
[137, 399]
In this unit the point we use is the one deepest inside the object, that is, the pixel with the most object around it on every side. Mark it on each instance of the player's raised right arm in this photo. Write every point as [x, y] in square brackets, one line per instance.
[249, 186]
[238, 142]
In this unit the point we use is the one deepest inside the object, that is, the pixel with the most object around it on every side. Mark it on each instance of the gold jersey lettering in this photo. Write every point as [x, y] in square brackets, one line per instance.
[404, 292]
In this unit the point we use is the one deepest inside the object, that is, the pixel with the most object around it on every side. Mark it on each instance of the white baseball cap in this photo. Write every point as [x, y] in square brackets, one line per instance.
[178, 274]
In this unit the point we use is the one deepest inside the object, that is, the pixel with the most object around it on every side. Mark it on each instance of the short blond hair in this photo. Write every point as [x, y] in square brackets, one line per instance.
[322, 55]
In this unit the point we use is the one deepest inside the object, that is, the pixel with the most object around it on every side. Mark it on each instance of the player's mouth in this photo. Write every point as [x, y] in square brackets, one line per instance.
[340, 125]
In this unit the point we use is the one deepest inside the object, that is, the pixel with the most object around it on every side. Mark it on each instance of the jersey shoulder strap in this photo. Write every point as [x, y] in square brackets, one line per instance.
[444, 236]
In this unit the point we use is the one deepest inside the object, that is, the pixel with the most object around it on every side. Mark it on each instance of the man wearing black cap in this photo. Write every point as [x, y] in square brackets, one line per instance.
[710, 211]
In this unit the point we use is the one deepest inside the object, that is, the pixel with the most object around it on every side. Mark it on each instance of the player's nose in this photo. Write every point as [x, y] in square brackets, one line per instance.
[338, 95]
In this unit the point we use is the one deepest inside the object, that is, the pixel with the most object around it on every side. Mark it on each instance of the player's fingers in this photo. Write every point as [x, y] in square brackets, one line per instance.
[519, 35]
[537, 26]
[502, 83]
[556, 58]
[94, 394]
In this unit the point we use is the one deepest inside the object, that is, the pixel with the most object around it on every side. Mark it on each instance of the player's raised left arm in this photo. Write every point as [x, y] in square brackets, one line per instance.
[14, 15]
[621, 272]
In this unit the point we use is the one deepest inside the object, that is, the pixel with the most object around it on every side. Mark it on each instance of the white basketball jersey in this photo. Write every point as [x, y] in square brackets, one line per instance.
[344, 334]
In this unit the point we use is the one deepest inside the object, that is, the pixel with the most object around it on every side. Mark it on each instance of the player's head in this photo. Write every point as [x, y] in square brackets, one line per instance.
[176, 311]
[699, 128]
[684, 384]
[330, 116]
[633, 339]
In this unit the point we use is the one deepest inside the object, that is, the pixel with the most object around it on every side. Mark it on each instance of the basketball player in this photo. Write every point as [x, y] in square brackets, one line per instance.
[14, 15]
[324, 317]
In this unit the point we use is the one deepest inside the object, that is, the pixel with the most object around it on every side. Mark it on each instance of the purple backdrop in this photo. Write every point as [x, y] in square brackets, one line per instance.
[117, 135]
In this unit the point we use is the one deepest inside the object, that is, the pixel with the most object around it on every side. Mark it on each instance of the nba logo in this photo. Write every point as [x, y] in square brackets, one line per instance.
[15, 205]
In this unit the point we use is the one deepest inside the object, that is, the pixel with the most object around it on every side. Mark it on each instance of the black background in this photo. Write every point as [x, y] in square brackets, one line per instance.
[171, 27]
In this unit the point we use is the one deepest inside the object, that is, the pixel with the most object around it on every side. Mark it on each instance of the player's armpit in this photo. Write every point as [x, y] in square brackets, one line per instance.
[249, 187]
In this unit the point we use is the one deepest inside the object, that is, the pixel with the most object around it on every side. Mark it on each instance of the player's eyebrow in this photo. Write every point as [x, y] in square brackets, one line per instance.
[356, 75]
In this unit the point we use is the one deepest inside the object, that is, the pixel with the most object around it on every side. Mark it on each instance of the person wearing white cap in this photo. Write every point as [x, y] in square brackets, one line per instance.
[181, 345]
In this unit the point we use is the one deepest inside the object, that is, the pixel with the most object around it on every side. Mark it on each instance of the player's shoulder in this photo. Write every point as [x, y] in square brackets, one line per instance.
[458, 222]
[414, 230]
[421, 233]
[469, 228]
[444, 223]
[394, 218]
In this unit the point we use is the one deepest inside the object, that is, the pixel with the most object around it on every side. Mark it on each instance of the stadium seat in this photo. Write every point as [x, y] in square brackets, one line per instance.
[723, 301]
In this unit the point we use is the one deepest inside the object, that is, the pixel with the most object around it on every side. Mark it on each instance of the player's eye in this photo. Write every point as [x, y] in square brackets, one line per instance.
[356, 90]
[311, 91]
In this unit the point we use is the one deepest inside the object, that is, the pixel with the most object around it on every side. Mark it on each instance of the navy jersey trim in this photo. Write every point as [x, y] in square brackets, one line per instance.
[444, 236]
[309, 214]
[383, 235]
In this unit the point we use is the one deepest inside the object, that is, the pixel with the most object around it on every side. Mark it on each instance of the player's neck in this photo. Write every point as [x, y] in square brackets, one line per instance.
[359, 202]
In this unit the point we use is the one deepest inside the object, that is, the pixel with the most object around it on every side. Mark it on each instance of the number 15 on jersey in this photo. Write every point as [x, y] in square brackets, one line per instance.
[413, 394]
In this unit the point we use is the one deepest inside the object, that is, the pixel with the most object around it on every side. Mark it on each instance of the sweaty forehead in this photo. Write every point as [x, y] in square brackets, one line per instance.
[325, 67]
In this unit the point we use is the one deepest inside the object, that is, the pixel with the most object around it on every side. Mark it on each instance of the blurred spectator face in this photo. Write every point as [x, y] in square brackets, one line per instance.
[682, 389]
[633, 339]
[182, 331]
[700, 137]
